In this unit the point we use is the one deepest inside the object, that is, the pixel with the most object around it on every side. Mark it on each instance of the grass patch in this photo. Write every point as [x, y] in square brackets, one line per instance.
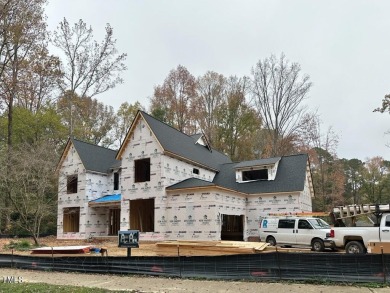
[21, 245]
[45, 288]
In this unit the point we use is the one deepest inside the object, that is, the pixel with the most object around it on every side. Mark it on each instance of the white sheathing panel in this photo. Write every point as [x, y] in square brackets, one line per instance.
[272, 171]
[89, 186]
[306, 198]
[175, 170]
[96, 222]
[259, 206]
[164, 171]
[142, 145]
[196, 215]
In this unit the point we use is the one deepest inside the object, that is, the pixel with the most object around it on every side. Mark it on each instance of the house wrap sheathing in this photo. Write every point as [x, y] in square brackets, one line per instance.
[169, 185]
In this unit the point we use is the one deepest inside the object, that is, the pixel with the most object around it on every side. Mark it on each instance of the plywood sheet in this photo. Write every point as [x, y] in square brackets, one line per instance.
[192, 248]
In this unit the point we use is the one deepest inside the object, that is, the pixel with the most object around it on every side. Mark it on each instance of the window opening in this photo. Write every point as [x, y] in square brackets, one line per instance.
[116, 181]
[195, 171]
[71, 184]
[142, 170]
[255, 175]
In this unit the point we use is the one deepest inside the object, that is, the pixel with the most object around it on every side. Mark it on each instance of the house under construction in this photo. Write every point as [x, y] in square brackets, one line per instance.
[169, 185]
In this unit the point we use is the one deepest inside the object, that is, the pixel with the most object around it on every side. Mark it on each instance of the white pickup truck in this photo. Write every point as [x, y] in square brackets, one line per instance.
[356, 239]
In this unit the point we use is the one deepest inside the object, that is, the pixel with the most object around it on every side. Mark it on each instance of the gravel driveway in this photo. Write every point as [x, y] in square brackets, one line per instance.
[156, 284]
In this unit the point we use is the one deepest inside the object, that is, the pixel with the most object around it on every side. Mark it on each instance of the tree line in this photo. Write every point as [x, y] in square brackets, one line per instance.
[47, 98]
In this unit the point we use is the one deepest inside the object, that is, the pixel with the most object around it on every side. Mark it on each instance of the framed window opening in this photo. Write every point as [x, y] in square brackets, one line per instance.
[116, 181]
[251, 175]
[71, 184]
[142, 170]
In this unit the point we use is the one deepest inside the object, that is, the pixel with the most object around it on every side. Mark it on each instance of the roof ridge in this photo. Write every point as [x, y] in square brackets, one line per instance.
[267, 158]
[92, 144]
[189, 136]
[177, 130]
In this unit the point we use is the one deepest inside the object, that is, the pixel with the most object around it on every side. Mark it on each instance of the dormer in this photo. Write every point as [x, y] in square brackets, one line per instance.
[201, 139]
[264, 169]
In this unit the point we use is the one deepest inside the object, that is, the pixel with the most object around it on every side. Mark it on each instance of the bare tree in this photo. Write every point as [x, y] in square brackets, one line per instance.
[278, 91]
[23, 33]
[89, 68]
[327, 170]
[210, 90]
[376, 180]
[88, 119]
[124, 117]
[238, 123]
[38, 85]
[32, 185]
[173, 99]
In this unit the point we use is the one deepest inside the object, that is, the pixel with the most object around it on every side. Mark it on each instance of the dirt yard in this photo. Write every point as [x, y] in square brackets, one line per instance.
[145, 249]
[152, 284]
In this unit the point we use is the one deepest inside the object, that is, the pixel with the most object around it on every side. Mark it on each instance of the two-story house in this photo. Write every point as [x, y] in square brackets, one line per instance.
[169, 185]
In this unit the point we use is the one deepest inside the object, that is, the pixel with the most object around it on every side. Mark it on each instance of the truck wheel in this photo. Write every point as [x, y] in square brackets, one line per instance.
[317, 245]
[355, 247]
[271, 240]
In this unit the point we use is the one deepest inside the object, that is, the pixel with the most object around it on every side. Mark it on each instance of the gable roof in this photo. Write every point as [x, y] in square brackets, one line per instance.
[184, 146]
[260, 162]
[190, 183]
[178, 144]
[290, 177]
[94, 158]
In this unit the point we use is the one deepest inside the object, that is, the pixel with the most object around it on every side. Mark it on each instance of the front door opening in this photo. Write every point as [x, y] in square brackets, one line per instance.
[115, 219]
[71, 219]
[232, 227]
[142, 215]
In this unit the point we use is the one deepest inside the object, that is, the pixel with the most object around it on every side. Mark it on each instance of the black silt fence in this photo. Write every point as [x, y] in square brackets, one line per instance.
[266, 266]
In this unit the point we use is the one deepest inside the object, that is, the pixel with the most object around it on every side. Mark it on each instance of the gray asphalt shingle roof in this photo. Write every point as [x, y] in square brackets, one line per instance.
[290, 177]
[184, 145]
[95, 158]
[260, 162]
[189, 183]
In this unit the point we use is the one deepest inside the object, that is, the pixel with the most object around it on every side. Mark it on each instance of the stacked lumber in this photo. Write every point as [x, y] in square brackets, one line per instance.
[209, 248]
[378, 247]
[61, 250]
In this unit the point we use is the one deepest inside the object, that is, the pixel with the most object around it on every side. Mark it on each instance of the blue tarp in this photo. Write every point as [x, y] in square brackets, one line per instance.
[106, 198]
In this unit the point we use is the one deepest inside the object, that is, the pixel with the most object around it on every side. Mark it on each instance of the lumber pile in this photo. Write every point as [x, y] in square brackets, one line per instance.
[209, 248]
[61, 250]
[378, 247]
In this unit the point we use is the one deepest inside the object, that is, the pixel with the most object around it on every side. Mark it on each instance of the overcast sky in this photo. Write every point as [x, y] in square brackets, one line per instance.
[344, 46]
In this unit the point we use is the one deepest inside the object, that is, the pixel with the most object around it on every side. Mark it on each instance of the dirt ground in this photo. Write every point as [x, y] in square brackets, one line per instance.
[145, 249]
[152, 284]
[111, 244]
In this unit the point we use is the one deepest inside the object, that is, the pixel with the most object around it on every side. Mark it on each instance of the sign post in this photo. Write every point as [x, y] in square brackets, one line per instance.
[128, 239]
